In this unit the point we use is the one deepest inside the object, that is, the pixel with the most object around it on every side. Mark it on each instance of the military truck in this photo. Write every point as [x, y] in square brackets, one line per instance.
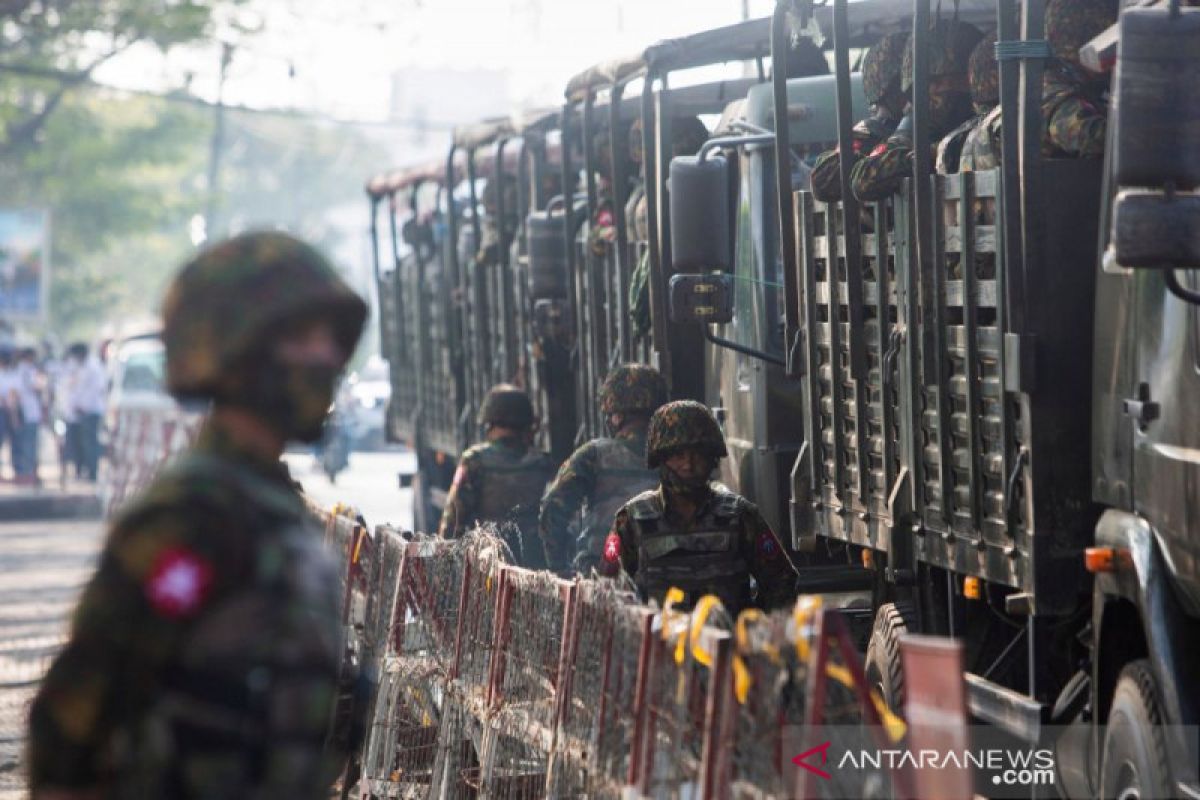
[554, 312]
[996, 370]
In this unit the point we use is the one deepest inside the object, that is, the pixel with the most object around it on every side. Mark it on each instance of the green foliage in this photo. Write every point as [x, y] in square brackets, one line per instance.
[124, 175]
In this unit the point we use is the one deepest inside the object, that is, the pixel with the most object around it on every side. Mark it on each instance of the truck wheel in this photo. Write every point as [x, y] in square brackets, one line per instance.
[882, 664]
[1135, 750]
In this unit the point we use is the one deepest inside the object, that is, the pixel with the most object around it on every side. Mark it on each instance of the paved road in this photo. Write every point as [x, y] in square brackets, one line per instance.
[370, 484]
[43, 566]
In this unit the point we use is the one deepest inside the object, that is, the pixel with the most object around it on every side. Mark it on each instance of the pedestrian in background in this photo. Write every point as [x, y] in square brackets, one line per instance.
[8, 404]
[88, 398]
[30, 411]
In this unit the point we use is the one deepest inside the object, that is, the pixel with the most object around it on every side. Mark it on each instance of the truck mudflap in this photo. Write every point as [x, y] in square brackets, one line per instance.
[1147, 583]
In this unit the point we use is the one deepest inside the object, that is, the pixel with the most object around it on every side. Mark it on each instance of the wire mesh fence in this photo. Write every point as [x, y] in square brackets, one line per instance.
[501, 682]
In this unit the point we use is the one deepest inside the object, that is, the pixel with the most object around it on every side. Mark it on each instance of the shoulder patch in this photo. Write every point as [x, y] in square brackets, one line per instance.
[612, 548]
[178, 583]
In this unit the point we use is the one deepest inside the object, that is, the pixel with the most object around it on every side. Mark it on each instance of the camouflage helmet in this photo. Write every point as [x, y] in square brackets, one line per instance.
[881, 66]
[983, 72]
[632, 388]
[231, 296]
[1070, 24]
[506, 406]
[950, 44]
[680, 424]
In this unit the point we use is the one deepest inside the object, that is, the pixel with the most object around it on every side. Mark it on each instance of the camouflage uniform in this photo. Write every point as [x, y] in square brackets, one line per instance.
[715, 551]
[881, 79]
[501, 481]
[204, 654]
[1074, 110]
[881, 173]
[966, 143]
[604, 473]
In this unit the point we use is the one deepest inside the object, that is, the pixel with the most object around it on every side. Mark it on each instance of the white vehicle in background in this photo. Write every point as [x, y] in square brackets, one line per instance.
[371, 390]
[145, 425]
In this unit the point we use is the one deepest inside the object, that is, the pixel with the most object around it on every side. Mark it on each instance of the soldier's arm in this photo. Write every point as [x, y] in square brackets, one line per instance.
[827, 173]
[462, 501]
[769, 563]
[151, 582]
[576, 480]
[881, 173]
[1077, 126]
[826, 176]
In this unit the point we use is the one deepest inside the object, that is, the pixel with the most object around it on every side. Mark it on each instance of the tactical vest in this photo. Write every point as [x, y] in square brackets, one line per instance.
[621, 474]
[248, 701]
[704, 560]
[510, 495]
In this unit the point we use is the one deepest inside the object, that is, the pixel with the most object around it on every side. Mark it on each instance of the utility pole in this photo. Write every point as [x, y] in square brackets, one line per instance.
[217, 146]
[745, 10]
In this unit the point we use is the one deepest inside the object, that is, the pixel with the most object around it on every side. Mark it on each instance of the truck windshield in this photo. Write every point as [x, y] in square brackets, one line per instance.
[758, 293]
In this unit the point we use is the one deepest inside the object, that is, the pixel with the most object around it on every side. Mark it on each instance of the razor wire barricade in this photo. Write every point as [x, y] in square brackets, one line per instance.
[140, 441]
[501, 682]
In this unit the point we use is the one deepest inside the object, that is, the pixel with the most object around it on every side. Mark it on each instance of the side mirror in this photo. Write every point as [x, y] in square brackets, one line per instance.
[1157, 98]
[706, 299]
[700, 214]
[1152, 230]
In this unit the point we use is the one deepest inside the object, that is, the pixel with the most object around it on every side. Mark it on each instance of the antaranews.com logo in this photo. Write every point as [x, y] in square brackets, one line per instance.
[849, 766]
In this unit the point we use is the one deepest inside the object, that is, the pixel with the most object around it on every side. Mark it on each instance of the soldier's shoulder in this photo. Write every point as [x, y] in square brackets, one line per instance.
[646, 505]
[731, 503]
[476, 453]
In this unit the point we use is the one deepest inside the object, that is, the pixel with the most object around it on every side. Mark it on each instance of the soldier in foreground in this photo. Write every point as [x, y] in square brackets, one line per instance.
[501, 480]
[881, 84]
[604, 473]
[204, 654]
[690, 534]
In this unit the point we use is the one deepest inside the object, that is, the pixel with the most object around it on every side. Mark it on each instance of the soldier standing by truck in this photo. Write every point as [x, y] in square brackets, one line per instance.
[690, 534]
[204, 654]
[604, 473]
[500, 481]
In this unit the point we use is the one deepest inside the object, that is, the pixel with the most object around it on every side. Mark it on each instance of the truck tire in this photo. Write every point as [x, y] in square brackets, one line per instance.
[882, 664]
[1135, 749]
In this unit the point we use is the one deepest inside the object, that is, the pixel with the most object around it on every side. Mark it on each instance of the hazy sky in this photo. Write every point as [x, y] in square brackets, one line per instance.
[337, 56]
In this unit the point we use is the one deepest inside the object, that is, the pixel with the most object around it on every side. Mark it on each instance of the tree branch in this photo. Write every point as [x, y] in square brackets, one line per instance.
[22, 134]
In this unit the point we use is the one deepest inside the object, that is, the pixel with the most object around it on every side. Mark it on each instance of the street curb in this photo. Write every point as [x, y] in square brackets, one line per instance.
[49, 506]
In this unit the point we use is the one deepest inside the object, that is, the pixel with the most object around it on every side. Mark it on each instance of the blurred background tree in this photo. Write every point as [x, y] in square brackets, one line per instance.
[125, 174]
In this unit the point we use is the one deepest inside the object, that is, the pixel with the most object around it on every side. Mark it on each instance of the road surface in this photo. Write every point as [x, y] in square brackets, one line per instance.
[371, 484]
[44, 564]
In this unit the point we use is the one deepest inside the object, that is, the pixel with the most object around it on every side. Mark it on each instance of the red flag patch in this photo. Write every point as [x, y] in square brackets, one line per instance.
[767, 546]
[612, 548]
[178, 583]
